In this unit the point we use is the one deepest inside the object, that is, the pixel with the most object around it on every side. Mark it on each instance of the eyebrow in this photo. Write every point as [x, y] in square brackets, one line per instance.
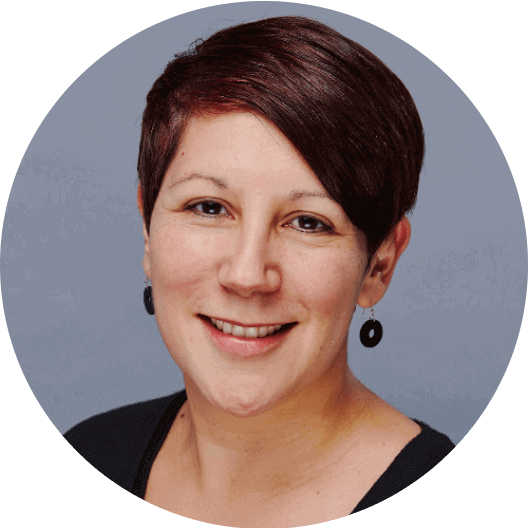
[222, 184]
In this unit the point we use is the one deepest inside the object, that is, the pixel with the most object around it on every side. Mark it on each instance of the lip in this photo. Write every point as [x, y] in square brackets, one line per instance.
[243, 346]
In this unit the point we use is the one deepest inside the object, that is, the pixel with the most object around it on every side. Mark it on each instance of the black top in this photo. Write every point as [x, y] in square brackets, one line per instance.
[123, 443]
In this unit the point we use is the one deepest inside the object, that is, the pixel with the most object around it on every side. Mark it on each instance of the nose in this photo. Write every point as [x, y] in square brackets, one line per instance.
[249, 266]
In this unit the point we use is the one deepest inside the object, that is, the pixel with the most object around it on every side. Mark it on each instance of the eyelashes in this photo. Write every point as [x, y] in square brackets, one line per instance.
[303, 223]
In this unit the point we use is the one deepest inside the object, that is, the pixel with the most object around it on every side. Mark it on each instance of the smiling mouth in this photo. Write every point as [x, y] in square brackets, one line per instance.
[248, 332]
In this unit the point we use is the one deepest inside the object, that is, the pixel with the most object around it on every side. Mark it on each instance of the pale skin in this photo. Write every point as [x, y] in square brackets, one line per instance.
[242, 231]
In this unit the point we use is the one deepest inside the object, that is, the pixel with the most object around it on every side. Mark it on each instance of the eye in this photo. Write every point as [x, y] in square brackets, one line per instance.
[304, 220]
[210, 206]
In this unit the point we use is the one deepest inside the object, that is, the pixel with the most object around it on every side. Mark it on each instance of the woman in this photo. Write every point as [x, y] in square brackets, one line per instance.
[277, 162]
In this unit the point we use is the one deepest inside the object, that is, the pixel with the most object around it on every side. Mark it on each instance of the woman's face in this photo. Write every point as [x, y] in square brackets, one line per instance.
[244, 233]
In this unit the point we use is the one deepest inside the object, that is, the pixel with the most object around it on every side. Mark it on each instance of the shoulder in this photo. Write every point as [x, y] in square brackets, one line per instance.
[422, 450]
[406, 450]
[418, 457]
[419, 446]
[427, 449]
[388, 432]
[115, 441]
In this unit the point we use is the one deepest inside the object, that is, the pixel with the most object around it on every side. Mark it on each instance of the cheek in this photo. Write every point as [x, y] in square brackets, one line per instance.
[329, 282]
[182, 258]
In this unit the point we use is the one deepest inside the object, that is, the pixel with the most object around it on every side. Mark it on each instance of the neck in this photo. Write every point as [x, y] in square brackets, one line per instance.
[245, 453]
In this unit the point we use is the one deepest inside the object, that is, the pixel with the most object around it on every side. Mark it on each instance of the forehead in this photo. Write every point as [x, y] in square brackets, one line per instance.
[241, 146]
[237, 131]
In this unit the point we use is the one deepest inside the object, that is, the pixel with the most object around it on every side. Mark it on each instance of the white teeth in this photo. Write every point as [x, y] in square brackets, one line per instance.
[245, 331]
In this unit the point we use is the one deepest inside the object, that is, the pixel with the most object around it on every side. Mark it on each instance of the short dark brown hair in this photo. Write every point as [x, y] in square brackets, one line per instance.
[346, 113]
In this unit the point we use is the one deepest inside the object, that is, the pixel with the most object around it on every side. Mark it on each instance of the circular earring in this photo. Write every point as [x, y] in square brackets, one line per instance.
[371, 327]
[148, 300]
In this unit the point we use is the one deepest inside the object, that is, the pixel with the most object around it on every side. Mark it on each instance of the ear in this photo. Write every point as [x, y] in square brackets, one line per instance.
[378, 276]
[146, 256]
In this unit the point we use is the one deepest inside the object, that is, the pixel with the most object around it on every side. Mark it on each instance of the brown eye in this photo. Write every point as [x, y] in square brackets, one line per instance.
[209, 208]
[309, 224]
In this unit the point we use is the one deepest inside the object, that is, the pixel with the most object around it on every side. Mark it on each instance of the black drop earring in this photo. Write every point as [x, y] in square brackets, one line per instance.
[371, 332]
[148, 301]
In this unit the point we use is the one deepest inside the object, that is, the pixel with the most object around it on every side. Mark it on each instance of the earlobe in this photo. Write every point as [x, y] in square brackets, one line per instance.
[372, 290]
[146, 266]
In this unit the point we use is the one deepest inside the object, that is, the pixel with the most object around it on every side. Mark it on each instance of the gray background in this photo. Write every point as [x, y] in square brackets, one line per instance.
[72, 245]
